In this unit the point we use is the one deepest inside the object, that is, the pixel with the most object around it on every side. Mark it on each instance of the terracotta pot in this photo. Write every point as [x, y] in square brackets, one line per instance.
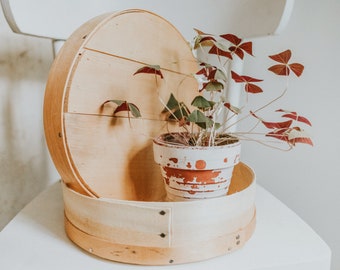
[195, 172]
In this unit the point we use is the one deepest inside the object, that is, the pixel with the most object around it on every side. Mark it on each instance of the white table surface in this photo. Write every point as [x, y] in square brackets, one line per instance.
[35, 239]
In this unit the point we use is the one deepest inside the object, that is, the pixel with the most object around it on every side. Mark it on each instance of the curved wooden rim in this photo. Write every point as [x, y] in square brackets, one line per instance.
[54, 104]
[243, 179]
[160, 256]
[160, 233]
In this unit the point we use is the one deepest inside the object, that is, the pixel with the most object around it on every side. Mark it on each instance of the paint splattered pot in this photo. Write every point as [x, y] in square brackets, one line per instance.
[163, 233]
[195, 172]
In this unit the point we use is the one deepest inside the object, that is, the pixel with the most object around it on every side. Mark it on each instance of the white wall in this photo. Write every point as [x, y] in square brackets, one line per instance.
[24, 161]
[306, 179]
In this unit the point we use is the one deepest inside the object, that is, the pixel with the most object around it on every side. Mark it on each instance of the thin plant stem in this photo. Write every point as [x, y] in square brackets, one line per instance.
[258, 109]
[265, 143]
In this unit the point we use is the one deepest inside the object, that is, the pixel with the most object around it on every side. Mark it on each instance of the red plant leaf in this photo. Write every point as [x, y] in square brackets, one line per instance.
[232, 108]
[124, 106]
[285, 111]
[282, 57]
[296, 68]
[278, 125]
[215, 50]
[247, 47]
[240, 49]
[237, 51]
[252, 88]
[239, 78]
[129, 107]
[211, 73]
[298, 118]
[207, 38]
[232, 38]
[250, 79]
[282, 70]
[202, 71]
[295, 116]
[249, 87]
[150, 69]
[302, 140]
[208, 71]
[297, 135]
[291, 136]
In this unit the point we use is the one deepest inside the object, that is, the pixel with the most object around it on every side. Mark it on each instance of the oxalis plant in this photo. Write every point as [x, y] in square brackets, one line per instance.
[214, 115]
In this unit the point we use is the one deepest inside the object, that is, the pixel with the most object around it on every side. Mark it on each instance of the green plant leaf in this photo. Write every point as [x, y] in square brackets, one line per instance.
[176, 110]
[217, 125]
[203, 39]
[200, 119]
[220, 75]
[212, 86]
[181, 112]
[172, 104]
[134, 110]
[202, 103]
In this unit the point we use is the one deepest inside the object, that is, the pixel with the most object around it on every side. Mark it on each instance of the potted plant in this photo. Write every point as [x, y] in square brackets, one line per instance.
[197, 162]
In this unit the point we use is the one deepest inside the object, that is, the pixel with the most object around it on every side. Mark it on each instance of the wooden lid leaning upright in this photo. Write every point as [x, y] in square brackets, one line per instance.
[95, 153]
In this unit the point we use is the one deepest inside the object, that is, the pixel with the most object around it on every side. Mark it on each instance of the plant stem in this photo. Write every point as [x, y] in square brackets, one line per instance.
[265, 143]
[257, 110]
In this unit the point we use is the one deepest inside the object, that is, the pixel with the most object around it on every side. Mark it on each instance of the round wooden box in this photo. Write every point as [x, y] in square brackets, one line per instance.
[113, 192]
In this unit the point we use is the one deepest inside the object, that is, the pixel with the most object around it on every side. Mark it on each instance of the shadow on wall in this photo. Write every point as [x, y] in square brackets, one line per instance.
[24, 161]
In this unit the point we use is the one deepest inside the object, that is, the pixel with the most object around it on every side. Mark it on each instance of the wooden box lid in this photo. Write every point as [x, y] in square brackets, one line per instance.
[95, 153]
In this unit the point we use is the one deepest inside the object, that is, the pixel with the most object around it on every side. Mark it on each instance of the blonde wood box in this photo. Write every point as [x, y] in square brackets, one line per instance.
[115, 201]
[36, 240]
[113, 197]
[86, 68]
